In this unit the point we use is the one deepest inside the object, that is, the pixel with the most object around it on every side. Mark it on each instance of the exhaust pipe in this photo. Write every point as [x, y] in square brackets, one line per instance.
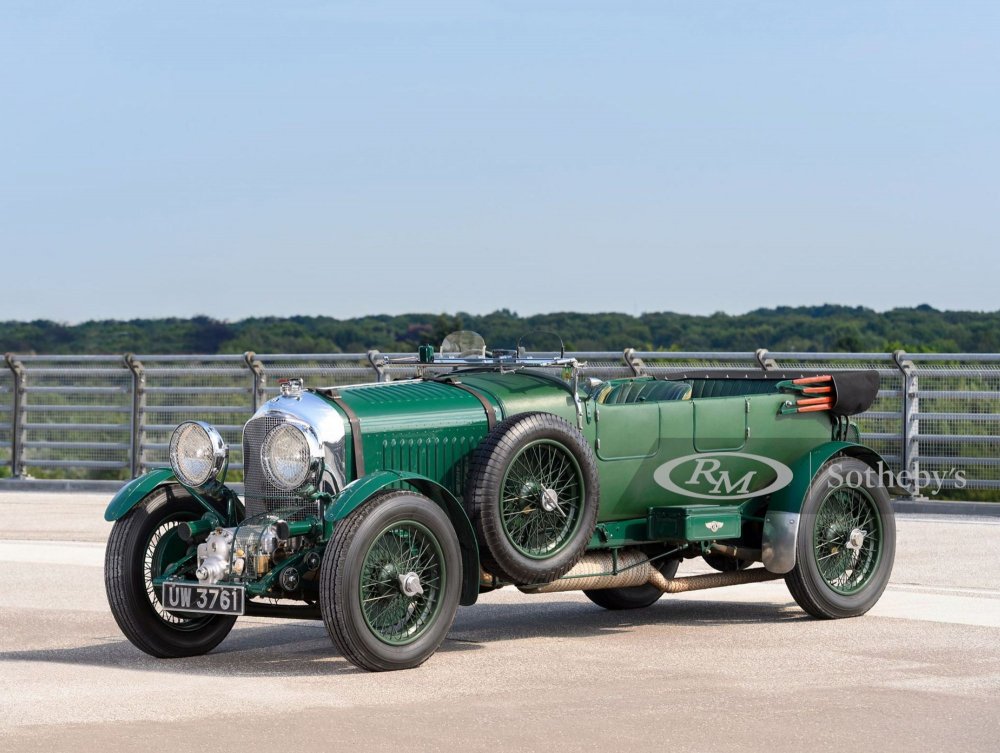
[737, 553]
[711, 580]
[598, 571]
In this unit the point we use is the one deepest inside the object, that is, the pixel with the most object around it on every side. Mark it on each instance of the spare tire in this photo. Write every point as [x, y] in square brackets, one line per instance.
[532, 495]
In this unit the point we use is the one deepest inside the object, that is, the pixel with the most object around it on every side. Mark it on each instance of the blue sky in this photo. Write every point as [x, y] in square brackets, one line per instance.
[244, 158]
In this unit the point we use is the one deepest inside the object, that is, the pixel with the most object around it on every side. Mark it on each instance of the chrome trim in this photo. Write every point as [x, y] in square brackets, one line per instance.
[325, 422]
[290, 387]
[781, 534]
[315, 469]
[220, 454]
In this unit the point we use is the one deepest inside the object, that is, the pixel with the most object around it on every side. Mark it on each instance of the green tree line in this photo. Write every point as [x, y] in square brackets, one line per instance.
[804, 328]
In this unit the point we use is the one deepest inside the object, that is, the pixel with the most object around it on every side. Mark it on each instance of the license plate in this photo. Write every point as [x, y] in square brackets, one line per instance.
[190, 597]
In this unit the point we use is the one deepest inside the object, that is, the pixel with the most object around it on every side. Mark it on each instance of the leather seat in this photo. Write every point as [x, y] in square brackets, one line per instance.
[730, 387]
[645, 391]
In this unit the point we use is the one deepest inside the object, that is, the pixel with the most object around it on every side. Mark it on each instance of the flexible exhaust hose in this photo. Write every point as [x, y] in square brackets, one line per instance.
[597, 571]
[711, 580]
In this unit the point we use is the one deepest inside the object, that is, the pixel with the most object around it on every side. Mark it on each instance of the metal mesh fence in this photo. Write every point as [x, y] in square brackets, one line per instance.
[111, 417]
[76, 418]
[216, 389]
[957, 422]
[333, 370]
[667, 364]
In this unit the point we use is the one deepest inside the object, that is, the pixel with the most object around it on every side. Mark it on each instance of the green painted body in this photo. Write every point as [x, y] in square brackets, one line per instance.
[135, 491]
[790, 498]
[359, 492]
[695, 523]
[432, 428]
[224, 506]
[667, 469]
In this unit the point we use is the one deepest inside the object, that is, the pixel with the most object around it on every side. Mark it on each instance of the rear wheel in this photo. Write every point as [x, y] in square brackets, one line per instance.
[391, 581]
[141, 546]
[846, 543]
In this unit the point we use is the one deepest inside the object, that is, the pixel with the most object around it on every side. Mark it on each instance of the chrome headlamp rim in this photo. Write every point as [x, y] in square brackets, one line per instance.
[314, 468]
[213, 442]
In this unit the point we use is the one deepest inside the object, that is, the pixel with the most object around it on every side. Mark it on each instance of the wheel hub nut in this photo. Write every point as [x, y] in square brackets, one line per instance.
[856, 539]
[409, 585]
[550, 500]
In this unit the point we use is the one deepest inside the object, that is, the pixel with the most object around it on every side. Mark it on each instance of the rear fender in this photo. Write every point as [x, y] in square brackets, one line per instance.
[781, 521]
[139, 488]
[360, 491]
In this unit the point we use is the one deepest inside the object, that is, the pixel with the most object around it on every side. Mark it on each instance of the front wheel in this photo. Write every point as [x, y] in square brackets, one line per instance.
[846, 542]
[391, 581]
[141, 546]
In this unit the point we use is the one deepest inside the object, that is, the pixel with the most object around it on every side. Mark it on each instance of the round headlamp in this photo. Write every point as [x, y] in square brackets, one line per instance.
[291, 457]
[197, 453]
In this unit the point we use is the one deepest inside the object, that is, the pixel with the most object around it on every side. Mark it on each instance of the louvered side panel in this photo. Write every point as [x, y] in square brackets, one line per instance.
[444, 459]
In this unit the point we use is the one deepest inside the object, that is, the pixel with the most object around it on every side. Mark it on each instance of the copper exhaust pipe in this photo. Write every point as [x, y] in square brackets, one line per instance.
[597, 571]
[711, 580]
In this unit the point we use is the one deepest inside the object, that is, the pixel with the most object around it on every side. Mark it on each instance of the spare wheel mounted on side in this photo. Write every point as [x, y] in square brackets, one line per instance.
[532, 496]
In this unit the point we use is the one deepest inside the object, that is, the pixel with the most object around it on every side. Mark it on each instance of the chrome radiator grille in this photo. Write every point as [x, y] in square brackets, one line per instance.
[259, 495]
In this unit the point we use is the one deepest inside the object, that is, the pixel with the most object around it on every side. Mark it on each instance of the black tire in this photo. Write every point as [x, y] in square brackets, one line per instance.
[831, 580]
[364, 557]
[637, 597]
[148, 532]
[536, 544]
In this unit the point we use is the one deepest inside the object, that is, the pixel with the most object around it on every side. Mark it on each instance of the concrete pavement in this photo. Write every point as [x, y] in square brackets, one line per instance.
[737, 667]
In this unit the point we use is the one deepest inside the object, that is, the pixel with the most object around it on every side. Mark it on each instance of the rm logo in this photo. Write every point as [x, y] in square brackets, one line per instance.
[708, 469]
[723, 475]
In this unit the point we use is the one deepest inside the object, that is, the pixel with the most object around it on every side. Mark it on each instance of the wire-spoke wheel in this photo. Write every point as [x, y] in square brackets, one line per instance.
[142, 545]
[847, 539]
[846, 542]
[390, 582]
[401, 581]
[164, 548]
[541, 498]
[532, 495]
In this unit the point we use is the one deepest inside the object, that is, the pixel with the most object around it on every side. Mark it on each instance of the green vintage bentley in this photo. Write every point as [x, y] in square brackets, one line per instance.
[380, 508]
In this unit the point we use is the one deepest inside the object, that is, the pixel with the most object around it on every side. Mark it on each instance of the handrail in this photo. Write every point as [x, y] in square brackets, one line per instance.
[71, 414]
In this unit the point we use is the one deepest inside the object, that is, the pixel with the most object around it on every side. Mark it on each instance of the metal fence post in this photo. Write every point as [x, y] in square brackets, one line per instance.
[910, 451]
[138, 414]
[18, 417]
[765, 363]
[377, 361]
[634, 364]
[259, 380]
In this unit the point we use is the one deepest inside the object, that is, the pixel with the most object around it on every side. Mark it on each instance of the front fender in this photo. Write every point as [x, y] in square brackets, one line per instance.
[139, 488]
[360, 491]
[781, 521]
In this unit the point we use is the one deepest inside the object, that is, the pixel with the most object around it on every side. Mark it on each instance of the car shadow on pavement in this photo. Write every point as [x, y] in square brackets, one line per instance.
[260, 647]
[487, 622]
